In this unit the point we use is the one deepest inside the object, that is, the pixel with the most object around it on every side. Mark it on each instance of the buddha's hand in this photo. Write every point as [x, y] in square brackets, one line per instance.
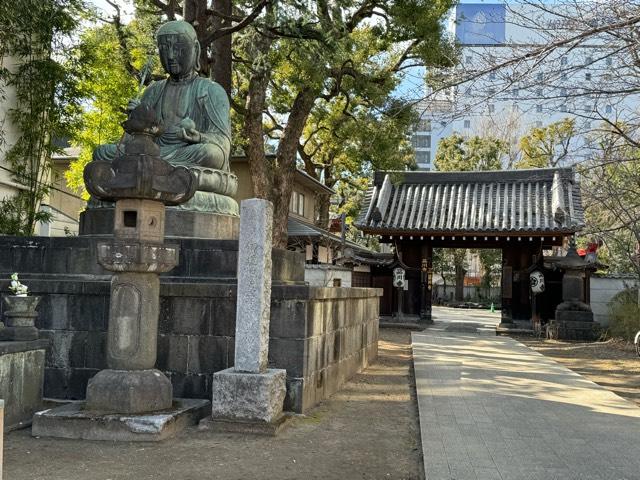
[133, 103]
[187, 131]
[190, 135]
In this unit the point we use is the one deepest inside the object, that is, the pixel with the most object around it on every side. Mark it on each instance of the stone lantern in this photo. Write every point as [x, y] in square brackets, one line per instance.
[141, 184]
[574, 317]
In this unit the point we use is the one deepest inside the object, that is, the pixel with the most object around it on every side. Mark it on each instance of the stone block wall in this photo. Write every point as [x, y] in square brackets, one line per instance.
[321, 336]
[323, 340]
[22, 367]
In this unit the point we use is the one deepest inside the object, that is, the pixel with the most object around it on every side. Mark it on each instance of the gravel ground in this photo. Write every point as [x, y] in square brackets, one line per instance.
[368, 430]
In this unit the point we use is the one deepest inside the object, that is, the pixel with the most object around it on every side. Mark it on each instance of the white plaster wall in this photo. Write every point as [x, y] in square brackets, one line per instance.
[10, 133]
[603, 289]
[323, 275]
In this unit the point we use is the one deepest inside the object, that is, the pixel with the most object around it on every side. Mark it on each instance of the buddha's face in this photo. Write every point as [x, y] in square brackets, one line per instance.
[178, 55]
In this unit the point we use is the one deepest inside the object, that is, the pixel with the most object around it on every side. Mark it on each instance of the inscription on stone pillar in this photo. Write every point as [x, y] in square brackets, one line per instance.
[125, 331]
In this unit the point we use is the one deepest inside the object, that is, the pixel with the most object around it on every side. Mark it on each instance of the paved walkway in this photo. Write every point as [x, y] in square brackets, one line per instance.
[491, 408]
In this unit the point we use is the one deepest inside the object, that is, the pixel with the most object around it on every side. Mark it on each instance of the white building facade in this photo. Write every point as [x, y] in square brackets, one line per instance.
[507, 95]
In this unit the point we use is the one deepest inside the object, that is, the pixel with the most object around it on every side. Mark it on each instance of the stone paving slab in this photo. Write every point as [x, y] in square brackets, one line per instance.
[491, 408]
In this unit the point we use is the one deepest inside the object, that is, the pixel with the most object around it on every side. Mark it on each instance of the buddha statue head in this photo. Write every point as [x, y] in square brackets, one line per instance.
[179, 49]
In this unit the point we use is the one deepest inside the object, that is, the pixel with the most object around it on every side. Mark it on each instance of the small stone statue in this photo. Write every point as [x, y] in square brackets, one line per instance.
[192, 114]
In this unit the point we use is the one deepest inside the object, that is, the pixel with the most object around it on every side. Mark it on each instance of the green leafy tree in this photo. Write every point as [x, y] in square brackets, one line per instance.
[36, 35]
[459, 154]
[491, 263]
[315, 54]
[342, 147]
[117, 60]
[548, 146]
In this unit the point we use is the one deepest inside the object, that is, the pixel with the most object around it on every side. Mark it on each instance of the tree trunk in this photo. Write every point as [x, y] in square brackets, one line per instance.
[261, 175]
[286, 164]
[460, 272]
[323, 202]
[195, 12]
[221, 65]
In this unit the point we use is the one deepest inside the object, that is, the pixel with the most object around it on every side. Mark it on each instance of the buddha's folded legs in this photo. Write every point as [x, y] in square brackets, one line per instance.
[194, 155]
[197, 155]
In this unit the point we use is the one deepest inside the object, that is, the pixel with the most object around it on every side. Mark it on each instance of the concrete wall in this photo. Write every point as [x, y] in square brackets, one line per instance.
[321, 336]
[323, 275]
[22, 366]
[324, 343]
[471, 291]
[603, 289]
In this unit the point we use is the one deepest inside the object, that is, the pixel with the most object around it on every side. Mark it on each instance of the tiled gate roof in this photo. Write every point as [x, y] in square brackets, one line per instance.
[511, 201]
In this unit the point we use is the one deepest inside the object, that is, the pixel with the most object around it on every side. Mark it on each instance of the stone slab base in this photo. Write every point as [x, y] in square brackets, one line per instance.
[248, 396]
[573, 330]
[129, 391]
[253, 427]
[72, 421]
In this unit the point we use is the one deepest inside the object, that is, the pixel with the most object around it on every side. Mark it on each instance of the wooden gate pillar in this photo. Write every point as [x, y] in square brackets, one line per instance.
[426, 283]
[506, 320]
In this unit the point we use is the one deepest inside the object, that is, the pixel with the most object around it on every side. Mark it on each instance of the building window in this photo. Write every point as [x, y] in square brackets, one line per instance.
[563, 61]
[516, 92]
[609, 61]
[563, 76]
[296, 205]
[587, 76]
[563, 108]
[492, 76]
[539, 77]
[538, 124]
[467, 124]
[467, 59]
[492, 108]
[424, 126]
[539, 108]
[491, 92]
[421, 141]
[588, 60]
[608, 109]
[563, 92]
[539, 92]
[423, 157]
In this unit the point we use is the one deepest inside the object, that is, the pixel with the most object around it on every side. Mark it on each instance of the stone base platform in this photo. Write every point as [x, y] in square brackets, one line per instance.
[573, 330]
[252, 427]
[248, 396]
[72, 421]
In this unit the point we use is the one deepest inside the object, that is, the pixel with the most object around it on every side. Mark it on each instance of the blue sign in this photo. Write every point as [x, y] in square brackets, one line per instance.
[480, 24]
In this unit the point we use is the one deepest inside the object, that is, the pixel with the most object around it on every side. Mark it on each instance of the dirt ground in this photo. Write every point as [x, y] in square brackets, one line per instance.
[612, 363]
[368, 430]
